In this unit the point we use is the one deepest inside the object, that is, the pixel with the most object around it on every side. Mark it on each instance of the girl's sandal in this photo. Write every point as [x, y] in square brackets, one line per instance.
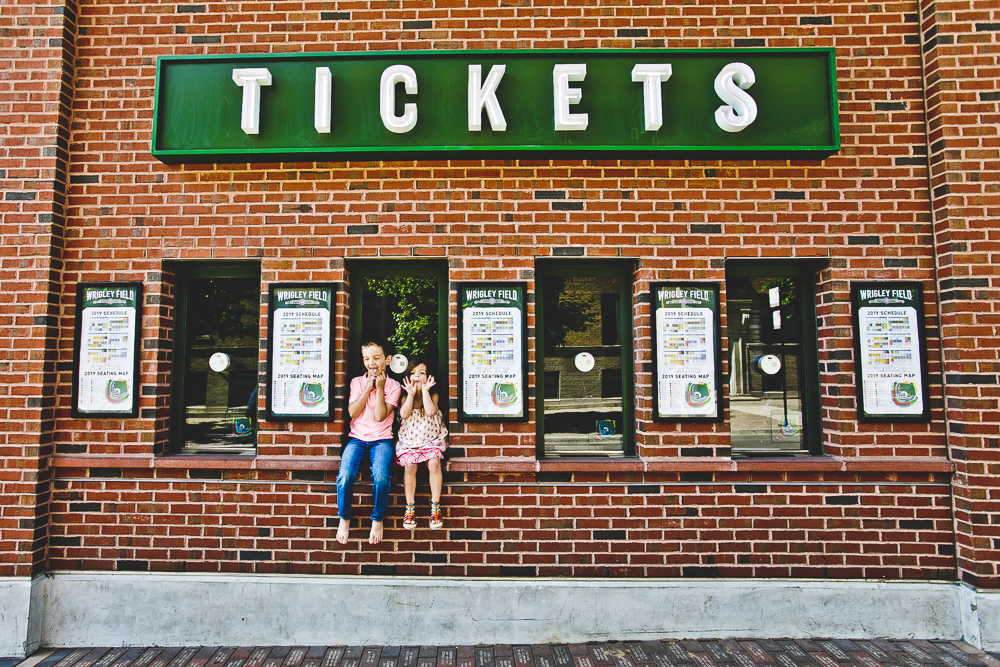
[410, 518]
[436, 521]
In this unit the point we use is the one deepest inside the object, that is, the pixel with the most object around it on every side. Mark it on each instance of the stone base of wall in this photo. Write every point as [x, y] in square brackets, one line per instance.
[130, 609]
[21, 600]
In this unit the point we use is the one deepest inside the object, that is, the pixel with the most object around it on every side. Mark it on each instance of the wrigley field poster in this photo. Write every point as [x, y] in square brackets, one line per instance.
[299, 355]
[106, 351]
[491, 329]
[685, 333]
[891, 355]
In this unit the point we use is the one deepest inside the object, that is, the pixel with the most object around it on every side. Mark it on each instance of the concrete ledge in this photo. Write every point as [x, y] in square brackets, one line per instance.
[19, 626]
[137, 609]
[980, 613]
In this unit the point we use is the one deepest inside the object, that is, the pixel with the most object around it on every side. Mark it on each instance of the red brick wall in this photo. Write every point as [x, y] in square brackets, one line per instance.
[35, 92]
[962, 40]
[558, 524]
[867, 209]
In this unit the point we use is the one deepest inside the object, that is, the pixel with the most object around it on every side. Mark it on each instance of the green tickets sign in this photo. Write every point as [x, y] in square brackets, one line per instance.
[638, 102]
[890, 354]
[106, 349]
[300, 351]
[492, 363]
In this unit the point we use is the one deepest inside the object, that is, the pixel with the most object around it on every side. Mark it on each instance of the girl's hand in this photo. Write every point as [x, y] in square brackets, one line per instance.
[409, 387]
[428, 383]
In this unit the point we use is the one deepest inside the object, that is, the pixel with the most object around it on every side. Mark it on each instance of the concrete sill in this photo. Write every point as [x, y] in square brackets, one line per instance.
[491, 464]
[200, 462]
[591, 464]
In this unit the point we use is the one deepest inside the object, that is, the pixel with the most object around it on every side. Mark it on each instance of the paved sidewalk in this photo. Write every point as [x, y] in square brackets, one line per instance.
[705, 653]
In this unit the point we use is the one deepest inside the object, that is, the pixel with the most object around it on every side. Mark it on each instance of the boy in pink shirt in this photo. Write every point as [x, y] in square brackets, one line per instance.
[372, 400]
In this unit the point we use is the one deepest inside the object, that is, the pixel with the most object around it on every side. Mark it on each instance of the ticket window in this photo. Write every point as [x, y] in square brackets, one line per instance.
[584, 405]
[216, 358]
[772, 360]
[406, 304]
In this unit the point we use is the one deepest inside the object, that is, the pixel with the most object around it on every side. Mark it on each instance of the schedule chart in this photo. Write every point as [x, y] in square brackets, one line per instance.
[686, 383]
[492, 374]
[889, 348]
[300, 352]
[106, 350]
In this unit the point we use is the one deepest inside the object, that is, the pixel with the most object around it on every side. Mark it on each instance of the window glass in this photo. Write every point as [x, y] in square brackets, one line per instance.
[404, 312]
[581, 347]
[766, 378]
[218, 401]
[406, 304]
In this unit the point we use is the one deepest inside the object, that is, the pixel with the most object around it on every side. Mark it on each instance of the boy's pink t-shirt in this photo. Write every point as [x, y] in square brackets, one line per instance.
[365, 427]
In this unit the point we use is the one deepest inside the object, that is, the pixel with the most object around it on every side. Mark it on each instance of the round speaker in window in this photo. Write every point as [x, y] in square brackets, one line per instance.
[584, 362]
[397, 364]
[219, 362]
[768, 364]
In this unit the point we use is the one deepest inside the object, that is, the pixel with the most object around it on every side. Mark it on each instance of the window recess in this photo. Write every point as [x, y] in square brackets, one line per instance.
[583, 348]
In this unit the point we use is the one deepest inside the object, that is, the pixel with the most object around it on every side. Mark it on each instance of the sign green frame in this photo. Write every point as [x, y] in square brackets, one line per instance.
[108, 328]
[199, 105]
[300, 351]
[684, 318]
[490, 340]
[890, 352]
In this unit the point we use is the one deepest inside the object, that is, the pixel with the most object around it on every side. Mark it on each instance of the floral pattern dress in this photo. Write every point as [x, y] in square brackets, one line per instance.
[421, 438]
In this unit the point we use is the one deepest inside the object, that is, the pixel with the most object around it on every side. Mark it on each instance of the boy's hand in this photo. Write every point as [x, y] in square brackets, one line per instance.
[380, 381]
[369, 381]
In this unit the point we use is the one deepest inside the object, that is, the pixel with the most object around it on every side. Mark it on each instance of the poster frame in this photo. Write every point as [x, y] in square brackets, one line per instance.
[81, 289]
[872, 418]
[330, 349]
[654, 287]
[461, 415]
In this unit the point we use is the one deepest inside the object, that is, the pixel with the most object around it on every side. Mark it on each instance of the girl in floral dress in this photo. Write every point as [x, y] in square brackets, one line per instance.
[422, 437]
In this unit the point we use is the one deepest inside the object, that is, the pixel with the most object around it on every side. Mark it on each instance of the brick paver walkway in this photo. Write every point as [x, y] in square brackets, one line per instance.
[704, 653]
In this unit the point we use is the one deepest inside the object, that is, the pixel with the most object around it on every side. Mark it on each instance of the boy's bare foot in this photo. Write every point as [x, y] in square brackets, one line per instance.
[342, 530]
[375, 536]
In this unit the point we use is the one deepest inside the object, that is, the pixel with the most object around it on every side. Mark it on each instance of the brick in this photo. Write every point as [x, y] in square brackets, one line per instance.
[865, 211]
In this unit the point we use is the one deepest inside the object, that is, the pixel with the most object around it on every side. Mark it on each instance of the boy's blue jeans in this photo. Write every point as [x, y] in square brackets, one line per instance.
[380, 453]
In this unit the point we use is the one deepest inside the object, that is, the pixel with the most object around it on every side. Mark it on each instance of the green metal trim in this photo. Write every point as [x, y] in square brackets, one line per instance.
[834, 100]
[510, 151]
[492, 53]
[519, 152]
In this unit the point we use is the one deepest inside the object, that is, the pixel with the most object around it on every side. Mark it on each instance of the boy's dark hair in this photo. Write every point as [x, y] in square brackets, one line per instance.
[416, 361]
[381, 342]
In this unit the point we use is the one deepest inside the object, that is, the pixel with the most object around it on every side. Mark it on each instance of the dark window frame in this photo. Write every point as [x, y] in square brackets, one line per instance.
[359, 269]
[625, 271]
[805, 270]
[184, 271]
